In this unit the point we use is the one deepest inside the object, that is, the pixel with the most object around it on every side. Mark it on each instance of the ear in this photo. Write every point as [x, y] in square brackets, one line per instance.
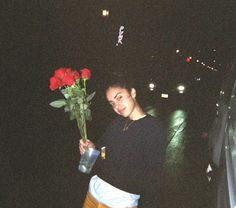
[133, 92]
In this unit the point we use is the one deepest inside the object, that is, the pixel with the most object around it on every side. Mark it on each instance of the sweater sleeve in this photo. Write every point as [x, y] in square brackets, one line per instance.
[106, 134]
[154, 155]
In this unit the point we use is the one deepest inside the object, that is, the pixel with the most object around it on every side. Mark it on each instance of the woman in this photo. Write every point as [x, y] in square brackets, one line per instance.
[133, 149]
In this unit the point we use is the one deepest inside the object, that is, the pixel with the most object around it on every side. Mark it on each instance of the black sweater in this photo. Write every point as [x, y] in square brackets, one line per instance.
[134, 158]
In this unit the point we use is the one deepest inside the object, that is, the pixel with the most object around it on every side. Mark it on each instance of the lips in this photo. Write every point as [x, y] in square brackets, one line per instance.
[121, 111]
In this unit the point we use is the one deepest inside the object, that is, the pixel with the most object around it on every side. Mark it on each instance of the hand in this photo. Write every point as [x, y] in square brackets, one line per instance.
[83, 145]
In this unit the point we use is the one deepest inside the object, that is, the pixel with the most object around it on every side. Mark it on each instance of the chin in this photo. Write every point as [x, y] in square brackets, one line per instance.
[123, 115]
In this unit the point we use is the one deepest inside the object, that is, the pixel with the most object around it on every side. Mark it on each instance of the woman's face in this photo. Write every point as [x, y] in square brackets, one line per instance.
[122, 101]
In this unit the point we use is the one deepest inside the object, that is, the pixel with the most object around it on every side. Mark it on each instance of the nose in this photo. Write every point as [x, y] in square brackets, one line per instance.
[116, 105]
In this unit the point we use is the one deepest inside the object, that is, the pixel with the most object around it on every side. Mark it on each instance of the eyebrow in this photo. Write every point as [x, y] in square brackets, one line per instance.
[117, 95]
[110, 101]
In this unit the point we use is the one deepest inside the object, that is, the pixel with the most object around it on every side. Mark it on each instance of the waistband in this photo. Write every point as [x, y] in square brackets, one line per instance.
[91, 202]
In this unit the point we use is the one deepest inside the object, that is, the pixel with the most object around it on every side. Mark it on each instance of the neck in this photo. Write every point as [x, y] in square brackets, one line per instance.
[137, 113]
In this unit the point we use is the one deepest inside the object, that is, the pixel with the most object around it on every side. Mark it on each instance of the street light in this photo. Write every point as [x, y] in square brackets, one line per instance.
[181, 88]
[105, 12]
[151, 86]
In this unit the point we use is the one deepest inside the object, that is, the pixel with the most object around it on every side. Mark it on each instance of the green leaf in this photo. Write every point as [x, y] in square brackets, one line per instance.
[66, 109]
[88, 114]
[58, 103]
[63, 91]
[77, 92]
[79, 100]
[83, 106]
[71, 105]
[66, 95]
[73, 101]
[90, 97]
[71, 116]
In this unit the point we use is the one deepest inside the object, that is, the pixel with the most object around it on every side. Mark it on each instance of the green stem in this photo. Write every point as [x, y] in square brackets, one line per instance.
[84, 80]
[81, 122]
[80, 114]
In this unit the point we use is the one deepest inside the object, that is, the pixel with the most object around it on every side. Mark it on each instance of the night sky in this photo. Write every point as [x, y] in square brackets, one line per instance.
[39, 36]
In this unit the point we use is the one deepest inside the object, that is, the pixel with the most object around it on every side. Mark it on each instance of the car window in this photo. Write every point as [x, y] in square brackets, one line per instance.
[233, 108]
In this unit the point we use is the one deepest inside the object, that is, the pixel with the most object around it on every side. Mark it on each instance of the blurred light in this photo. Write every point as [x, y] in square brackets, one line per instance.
[177, 51]
[105, 12]
[151, 86]
[180, 88]
[164, 95]
[188, 59]
[222, 92]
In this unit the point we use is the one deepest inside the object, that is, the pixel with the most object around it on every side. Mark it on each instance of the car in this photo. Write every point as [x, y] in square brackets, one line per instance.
[222, 143]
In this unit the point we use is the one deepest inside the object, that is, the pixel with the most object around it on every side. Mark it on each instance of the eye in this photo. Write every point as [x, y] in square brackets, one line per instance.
[119, 98]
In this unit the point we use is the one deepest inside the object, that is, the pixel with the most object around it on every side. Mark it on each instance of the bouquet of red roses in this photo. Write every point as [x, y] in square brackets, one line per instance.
[76, 102]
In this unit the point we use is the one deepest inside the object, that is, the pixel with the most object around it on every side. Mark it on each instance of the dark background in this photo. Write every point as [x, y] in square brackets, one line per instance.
[39, 153]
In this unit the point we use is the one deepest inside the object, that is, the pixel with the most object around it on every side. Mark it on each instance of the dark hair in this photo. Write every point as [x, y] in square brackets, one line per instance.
[117, 80]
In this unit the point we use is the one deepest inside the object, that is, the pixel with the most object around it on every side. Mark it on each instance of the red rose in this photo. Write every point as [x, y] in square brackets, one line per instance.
[76, 75]
[85, 73]
[68, 80]
[54, 83]
[68, 70]
[59, 73]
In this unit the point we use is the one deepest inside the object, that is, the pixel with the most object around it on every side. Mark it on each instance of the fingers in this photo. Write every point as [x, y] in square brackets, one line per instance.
[85, 144]
[90, 144]
[82, 146]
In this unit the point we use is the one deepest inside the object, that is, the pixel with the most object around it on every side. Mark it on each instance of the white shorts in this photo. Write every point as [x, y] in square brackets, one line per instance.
[111, 196]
